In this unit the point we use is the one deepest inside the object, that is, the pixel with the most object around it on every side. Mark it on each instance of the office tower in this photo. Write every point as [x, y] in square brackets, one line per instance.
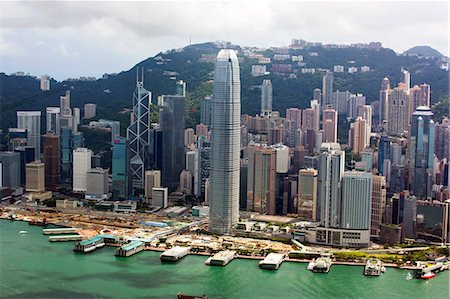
[138, 134]
[317, 95]
[10, 169]
[295, 116]
[66, 121]
[398, 111]
[266, 98]
[329, 125]
[357, 135]
[89, 110]
[152, 180]
[261, 179]
[205, 111]
[186, 184]
[367, 159]
[225, 144]
[330, 172]
[354, 102]
[339, 101]
[189, 137]
[421, 152]
[384, 152]
[64, 104]
[31, 120]
[442, 143]
[384, 100]
[202, 166]
[76, 119]
[356, 200]
[17, 138]
[97, 183]
[51, 161]
[52, 120]
[156, 148]
[160, 197]
[180, 88]
[366, 113]
[378, 204]
[191, 157]
[35, 177]
[418, 96]
[66, 151]
[172, 126]
[81, 165]
[121, 180]
[45, 83]
[26, 156]
[307, 194]
[396, 153]
[327, 88]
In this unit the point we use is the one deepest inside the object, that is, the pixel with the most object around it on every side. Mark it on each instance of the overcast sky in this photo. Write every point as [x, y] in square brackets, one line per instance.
[72, 39]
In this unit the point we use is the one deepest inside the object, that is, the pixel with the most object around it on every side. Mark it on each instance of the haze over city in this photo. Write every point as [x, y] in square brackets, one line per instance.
[72, 39]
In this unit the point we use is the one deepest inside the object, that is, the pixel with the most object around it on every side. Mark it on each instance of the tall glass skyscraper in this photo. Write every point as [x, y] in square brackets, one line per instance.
[225, 144]
[31, 120]
[138, 134]
[421, 152]
[266, 98]
[172, 126]
[120, 166]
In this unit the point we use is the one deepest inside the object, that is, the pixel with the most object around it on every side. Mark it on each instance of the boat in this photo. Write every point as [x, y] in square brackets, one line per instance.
[409, 276]
[373, 267]
[428, 275]
[322, 265]
[183, 296]
[23, 232]
[311, 265]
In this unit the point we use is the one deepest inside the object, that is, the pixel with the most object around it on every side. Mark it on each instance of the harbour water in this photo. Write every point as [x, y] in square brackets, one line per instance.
[32, 267]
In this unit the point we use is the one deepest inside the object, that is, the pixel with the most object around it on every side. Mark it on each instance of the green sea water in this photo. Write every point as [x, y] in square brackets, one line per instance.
[32, 267]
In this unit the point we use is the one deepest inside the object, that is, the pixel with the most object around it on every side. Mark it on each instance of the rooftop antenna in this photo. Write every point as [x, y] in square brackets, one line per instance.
[190, 40]
[142, 70]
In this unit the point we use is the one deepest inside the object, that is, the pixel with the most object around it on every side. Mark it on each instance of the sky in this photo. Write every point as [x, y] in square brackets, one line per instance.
[70, 39]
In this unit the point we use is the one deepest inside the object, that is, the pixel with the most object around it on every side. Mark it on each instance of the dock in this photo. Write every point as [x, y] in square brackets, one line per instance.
[174, 254]
[130, 248]
[272, 261]
[59, 231]
[63, 238]
[221, 258]
[89, 245]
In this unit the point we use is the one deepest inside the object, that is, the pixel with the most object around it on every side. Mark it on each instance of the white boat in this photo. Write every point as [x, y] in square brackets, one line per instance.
[23, 232]
[311, 265]
[409, 276]
[373, 267]
[322, 265]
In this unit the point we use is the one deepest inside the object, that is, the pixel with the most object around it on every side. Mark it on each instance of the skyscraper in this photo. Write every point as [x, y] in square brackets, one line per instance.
[442, 143]
[398, 111]
[261, 179]
[138, 134]
[330, 172]
[327, 88]
[356, 200]
[89, 110]
[329, 125]
[384, 96]
[31, 120]
[64, 104]
[181, 88]
[225, 144]
[419, 96]
[421, 152]
[172, 126]
[205, 111]
[35, 177]
[378, 204]
[51, 160]
[45, 83]
[266, 98]
[121, 181]
[52, 120]
[307, 194]
[81, 165]
[357, 135]
[10, 169]
[152, 180]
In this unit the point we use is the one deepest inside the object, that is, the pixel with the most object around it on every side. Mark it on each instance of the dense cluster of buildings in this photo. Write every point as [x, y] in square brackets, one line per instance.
[388, 182]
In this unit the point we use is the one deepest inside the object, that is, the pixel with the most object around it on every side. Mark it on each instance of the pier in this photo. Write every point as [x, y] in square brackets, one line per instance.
[59, 231]
[89, 245]
[174, 254]
[221, 258]
[272, 261]
[64, 238]
[130, 248]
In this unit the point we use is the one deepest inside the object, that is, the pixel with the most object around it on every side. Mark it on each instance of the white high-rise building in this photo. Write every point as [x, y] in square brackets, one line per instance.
[52, 120]
[225, 144]
[76, 119]
[81, 165]
[356, 200]
[45, 83]
[31, 121]
[89, 110]
[152, 180]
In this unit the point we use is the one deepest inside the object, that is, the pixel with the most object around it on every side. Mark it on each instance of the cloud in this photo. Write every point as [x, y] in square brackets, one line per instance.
[127, 32]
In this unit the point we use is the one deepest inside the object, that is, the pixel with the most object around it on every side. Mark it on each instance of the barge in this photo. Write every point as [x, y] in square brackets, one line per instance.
[272, 261]
[174, 254]
[63, 238]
